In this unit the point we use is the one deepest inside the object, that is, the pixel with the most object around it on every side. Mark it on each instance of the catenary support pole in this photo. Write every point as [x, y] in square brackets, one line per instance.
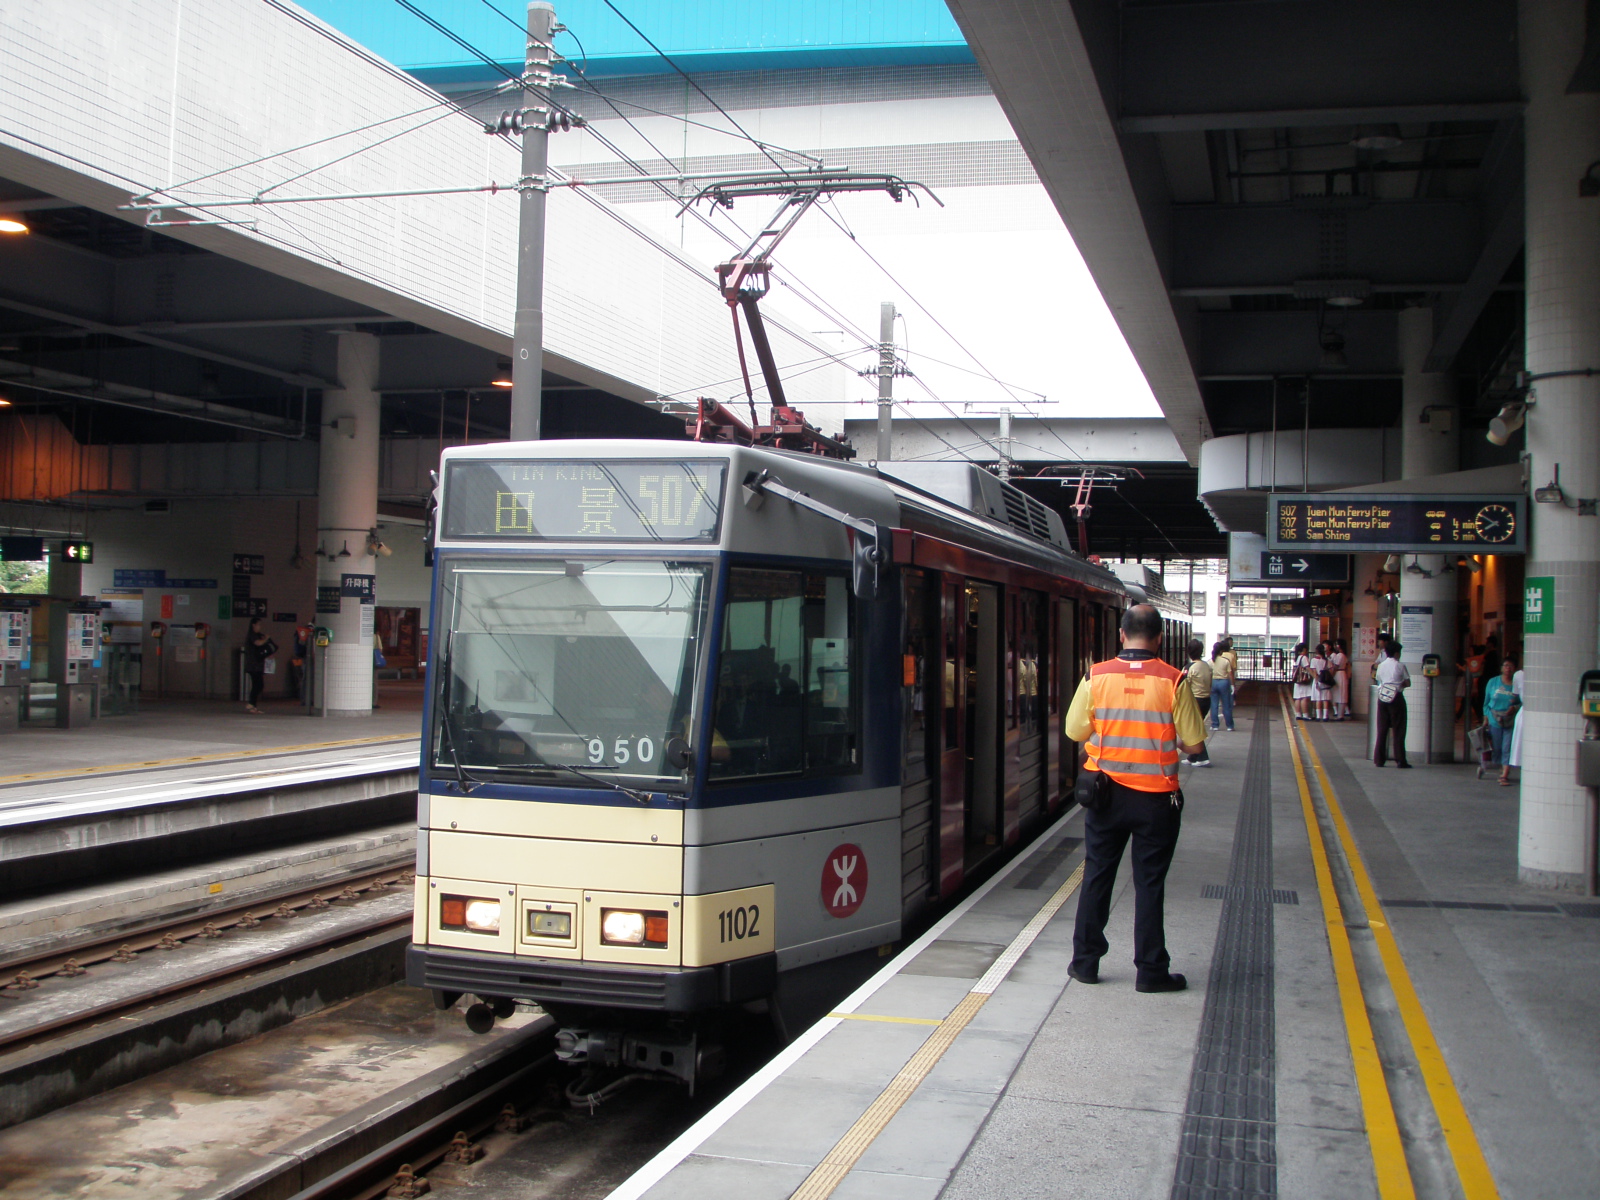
[527, 348]
[885, 379]
[1562, 132]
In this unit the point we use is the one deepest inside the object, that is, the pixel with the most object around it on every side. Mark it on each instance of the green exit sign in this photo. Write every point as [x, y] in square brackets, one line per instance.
[1539, 604]
[78, 552]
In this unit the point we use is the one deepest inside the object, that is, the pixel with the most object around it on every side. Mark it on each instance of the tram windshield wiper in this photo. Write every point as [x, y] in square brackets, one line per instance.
[447, 724]
[630, 793]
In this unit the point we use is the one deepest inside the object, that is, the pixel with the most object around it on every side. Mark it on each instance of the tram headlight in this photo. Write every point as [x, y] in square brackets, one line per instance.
[469, 912]
[622, 927]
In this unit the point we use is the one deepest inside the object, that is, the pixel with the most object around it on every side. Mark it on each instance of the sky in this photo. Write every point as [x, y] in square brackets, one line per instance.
[990, 285]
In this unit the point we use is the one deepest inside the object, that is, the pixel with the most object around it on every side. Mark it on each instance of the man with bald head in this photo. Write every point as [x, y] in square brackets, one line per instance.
[1134, 718]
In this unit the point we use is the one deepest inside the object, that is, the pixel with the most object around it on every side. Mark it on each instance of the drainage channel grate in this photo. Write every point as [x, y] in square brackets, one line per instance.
[1229, 1145]
[1039, 874]
[1216, 891]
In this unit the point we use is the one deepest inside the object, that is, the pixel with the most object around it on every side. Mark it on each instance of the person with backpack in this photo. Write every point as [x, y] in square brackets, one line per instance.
[1322, 683]
[1302, 677]
[1393, 679]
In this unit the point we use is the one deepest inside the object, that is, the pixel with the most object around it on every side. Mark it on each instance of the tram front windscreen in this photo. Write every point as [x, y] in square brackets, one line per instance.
[563, 666]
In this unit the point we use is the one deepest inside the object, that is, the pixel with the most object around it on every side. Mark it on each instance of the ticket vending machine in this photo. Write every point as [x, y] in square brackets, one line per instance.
[79, 678]
[16, 659]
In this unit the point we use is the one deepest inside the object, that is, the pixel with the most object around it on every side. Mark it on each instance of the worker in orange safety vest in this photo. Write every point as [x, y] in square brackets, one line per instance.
[1134, 718]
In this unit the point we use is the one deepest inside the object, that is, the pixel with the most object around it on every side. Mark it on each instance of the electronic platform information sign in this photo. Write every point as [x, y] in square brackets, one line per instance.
[621, 500]
[1485, 524]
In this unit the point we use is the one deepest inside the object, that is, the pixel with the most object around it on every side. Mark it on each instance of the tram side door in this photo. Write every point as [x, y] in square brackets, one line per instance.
[1063, 671]
[985, 700]
[953, 735]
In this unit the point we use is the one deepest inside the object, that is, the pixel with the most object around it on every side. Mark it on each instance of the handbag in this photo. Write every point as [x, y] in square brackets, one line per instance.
[1388, 693]
[1325, 678]
[1302, 672]
[1508, 718]
[1092, 791]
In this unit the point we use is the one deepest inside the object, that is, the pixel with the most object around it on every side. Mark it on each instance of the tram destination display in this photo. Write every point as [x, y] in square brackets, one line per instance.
[1494, 524]
[631, 500]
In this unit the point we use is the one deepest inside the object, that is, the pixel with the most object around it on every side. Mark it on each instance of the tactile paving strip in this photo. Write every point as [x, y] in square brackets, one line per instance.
[1229, 1145]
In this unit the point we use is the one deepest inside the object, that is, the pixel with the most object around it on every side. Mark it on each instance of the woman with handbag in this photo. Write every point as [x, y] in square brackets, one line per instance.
[1500, 706]
[1303, 678]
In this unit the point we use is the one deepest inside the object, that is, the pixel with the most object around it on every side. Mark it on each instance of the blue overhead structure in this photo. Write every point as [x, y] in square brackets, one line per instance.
[713, 35]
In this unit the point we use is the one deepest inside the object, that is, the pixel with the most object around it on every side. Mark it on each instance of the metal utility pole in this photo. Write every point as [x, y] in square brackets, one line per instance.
[885, 378]
[1005, 468]
[527, 347]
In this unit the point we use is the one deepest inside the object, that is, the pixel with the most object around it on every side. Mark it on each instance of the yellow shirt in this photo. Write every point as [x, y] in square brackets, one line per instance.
[1079, 723]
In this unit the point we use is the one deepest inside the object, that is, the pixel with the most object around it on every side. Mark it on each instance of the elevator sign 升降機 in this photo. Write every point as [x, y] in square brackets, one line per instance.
[1398, 524]
[1539, 604]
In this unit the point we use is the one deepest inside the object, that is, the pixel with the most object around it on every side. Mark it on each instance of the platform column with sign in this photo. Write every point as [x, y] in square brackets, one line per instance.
[347, 509]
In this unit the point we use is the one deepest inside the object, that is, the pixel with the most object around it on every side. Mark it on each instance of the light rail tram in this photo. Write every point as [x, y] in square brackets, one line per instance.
[703, 715]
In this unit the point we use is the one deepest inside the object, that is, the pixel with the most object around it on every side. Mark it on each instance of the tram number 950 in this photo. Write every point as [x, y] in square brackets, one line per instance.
[621, 751]
[736, 924]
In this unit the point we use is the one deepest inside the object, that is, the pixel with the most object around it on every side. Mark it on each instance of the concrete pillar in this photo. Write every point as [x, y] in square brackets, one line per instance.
[1364, 613]
[1429, 445]
[347, 507]
[1563, 427]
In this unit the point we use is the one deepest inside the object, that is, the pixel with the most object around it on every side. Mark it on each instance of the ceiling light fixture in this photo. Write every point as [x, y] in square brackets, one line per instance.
[12, 225]
[344, 553]
[502, 374]
[1507, 421]
[1377, 137]
[1416, 568]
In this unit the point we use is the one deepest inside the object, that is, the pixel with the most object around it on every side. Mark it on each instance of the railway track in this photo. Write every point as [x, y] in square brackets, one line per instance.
[25, 974]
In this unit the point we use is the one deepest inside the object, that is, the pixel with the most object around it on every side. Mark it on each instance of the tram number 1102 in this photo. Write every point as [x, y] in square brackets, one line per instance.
[736, 924]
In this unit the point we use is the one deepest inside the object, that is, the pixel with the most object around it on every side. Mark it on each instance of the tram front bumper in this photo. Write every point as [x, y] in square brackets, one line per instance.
[600, 985]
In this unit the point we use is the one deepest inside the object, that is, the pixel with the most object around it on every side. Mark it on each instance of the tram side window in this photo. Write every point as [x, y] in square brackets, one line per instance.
[785, 691]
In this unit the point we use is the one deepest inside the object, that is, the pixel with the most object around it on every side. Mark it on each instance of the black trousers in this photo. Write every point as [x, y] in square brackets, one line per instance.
[255, 683]
[1391, 717]
[1152, 821]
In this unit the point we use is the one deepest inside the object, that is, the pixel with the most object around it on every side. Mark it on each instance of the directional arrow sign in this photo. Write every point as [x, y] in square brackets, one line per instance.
[1305, 568]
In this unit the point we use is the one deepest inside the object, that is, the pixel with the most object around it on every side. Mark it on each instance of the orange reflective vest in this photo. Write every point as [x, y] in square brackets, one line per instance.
[1134, 740]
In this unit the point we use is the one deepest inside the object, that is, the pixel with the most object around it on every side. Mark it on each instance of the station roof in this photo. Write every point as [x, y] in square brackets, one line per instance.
[1259, 189]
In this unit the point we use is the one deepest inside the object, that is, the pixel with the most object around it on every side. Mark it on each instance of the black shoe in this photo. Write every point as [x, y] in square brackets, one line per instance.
[1167, 983]
[1403, 766]
[1084, 974]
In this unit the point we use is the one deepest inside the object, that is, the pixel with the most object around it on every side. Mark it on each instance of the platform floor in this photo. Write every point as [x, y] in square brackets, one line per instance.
[972, 1068]
[175, 732]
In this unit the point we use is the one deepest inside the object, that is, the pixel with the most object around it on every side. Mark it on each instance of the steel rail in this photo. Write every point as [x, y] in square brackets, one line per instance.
[152, 935]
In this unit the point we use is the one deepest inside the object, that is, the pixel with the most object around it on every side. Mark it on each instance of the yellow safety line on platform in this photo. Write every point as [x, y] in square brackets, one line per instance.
[1383, 1131]
[895, 1020]
[1477, 1182]
[200, 758]
[847, 1151]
